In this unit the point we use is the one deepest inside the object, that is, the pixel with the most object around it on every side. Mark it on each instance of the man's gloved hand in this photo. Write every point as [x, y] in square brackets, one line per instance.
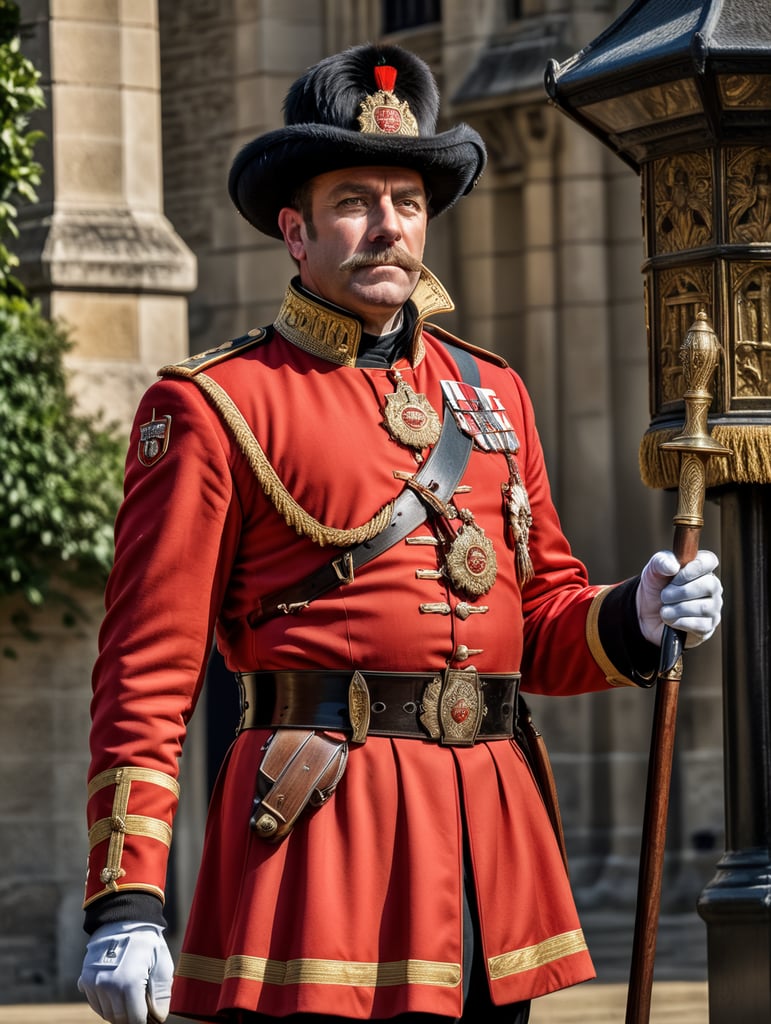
[687, 599]
[127, 973]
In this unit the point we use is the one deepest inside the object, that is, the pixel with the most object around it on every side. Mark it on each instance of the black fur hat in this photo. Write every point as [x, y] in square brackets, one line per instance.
[367, 106]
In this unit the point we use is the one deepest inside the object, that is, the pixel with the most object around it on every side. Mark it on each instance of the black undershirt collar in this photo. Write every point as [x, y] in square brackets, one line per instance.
[381, 350]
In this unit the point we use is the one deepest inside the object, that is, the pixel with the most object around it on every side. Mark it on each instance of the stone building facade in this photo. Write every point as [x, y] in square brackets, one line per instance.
[135, 244]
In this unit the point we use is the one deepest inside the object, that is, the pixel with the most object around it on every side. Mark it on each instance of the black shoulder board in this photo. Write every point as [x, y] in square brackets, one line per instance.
[196, 364]
[475, 350]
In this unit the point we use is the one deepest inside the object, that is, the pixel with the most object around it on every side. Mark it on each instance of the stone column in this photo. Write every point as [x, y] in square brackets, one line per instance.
[97, 249]
[98, 252]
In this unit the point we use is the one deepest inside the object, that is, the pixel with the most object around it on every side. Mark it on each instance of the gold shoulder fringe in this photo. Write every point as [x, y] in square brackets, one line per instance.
[748, 463]
[294, 514]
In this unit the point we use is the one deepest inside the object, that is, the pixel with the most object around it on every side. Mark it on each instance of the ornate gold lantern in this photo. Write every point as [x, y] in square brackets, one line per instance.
[681, 90]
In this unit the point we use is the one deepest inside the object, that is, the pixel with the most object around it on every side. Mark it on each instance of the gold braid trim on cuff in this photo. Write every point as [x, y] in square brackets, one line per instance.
[154, 889]
[611, 673]
[113, 776]
[294, 514]
[131, 825]
[121, 823]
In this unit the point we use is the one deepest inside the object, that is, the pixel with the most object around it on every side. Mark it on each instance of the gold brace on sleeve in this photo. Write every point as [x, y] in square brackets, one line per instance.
[121, 823]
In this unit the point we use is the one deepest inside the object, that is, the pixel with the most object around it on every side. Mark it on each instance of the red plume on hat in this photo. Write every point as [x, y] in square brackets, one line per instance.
[367, 106]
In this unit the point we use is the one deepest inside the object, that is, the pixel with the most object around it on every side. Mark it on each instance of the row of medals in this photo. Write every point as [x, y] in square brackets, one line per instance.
[469, 557]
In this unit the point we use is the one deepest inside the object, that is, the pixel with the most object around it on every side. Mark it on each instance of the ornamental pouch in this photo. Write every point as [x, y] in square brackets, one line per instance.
[299, 767]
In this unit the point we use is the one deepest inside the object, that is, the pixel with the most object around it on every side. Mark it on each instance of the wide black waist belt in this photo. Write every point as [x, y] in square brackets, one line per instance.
[456, 707]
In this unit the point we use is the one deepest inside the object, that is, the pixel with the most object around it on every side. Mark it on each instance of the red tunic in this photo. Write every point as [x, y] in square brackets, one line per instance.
[359, 911]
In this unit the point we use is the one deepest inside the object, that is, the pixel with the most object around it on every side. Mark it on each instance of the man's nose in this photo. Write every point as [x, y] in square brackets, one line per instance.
[385, 222]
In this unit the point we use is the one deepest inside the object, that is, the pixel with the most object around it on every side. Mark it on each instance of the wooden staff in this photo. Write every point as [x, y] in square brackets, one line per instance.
[699, 353]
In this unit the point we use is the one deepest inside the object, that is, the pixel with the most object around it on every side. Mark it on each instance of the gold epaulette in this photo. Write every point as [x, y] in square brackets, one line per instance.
[196, 364]
[475, 350]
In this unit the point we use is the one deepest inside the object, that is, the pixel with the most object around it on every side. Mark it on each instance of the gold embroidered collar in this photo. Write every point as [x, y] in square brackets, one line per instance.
[334, 334]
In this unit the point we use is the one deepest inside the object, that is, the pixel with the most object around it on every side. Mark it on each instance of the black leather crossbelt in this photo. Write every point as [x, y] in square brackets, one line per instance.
[456, 706]
[439, 475]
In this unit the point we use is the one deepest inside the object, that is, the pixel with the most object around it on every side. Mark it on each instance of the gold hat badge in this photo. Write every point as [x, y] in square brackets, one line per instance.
[382, 113]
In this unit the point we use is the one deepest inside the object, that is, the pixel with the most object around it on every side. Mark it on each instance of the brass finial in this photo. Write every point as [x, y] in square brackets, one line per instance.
[700, 354]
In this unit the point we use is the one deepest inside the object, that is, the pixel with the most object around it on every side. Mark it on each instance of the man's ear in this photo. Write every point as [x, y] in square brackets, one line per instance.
[290, 223]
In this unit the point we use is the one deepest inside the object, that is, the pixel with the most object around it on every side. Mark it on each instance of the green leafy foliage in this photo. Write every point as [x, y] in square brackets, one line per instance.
[20, 95]
[60, 470]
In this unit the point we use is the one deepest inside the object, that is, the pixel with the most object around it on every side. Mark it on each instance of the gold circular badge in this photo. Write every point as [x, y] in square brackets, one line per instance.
[410, 418]
[470, 563]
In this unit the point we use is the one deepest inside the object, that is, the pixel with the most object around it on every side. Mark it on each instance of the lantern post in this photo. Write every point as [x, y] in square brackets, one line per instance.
[681, 91]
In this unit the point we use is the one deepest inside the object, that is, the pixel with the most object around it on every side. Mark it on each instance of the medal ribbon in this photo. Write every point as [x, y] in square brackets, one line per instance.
[481, 415]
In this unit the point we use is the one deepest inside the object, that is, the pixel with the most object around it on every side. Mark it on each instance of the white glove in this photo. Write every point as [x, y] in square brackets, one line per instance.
[127, 973]
[688, 599]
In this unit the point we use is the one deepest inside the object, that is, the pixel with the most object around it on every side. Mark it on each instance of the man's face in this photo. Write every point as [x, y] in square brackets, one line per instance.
[364, 248]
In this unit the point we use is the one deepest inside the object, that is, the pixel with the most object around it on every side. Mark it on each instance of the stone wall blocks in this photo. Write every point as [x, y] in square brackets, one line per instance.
[24, 714]
[253, 97]
[580, 153]
[27, 783]
[140, 58]
[163, 329]
[26, 851]
[584, 345]
[36, 33]
[540, 286]
[478, 281]
[584, 273]
[276, 46]
[88, 169]
[627, 340]
[224, 322]
[86, 53]
[142, 158]
[112, 387]
[288, 11]
[114, 249]
[139, 12]
[85, 10]
[582, 210]
[259, 272]
[88, 111]
[624, 205]
[625, 283]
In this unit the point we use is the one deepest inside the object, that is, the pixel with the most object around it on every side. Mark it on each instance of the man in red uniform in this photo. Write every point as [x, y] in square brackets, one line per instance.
[355, 503]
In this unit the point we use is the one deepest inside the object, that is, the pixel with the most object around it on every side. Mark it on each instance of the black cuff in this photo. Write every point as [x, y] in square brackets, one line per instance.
[621, 637]
[124, 906]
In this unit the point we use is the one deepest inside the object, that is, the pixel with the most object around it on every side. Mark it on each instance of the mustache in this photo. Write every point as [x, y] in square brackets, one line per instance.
[394, 256]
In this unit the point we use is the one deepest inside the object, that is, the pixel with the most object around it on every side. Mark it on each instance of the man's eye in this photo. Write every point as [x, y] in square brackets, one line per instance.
[352, 201]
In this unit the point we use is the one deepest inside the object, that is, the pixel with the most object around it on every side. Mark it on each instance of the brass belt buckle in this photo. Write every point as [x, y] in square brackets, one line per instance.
[453, 707]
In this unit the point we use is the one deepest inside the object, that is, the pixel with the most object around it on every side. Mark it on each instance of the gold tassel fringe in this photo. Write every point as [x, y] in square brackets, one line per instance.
[748, 463]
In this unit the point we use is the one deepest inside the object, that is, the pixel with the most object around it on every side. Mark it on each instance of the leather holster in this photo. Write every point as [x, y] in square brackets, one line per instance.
[300, 766]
